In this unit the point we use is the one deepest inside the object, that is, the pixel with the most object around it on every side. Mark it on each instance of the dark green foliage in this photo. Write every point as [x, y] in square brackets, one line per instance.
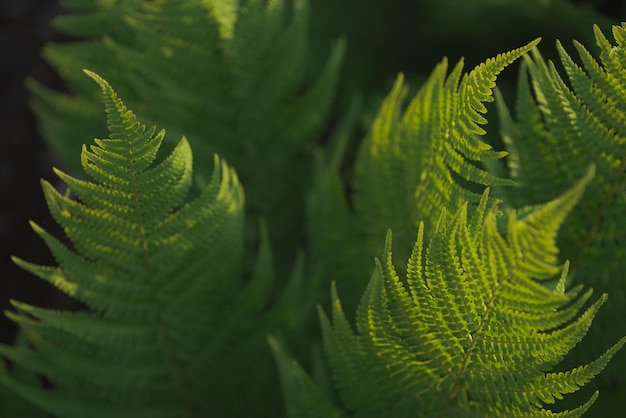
[186, 65]
[560, 129]
[302, 397]
[185, 297]
[161, 276]
[15, 406]
[411, 36]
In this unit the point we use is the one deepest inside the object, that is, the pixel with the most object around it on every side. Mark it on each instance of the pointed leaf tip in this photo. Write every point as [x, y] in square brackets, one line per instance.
[94, 76]
[388, 240]
[334, 295]
[560, 286]
[104, 85]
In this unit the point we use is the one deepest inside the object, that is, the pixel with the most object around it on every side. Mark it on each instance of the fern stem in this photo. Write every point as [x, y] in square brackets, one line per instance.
[456, 386]
[169, 342]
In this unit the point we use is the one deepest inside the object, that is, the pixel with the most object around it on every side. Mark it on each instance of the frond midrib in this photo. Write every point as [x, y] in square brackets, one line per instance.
[456, 386]
[169, 342]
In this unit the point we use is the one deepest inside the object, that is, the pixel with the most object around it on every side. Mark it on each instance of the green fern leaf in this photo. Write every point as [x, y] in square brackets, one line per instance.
[232, 76]
[417, 157]
[11, 405]
[560, 128]
[159, 274]
[474, 332]
[414, 163]
[302, 397]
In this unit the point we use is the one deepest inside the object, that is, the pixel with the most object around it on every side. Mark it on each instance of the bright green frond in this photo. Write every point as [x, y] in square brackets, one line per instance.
[562, 126]
[417, 160]
[472, 332]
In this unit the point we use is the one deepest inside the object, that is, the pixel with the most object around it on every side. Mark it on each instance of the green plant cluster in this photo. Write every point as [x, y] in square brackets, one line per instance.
[239, 254]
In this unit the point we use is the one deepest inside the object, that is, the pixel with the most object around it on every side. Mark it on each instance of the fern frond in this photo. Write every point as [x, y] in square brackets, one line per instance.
[418, 161]
[302, 398]
[232, 76]
[560, 128]
[11, 405]
[474, 332]
[160, 274]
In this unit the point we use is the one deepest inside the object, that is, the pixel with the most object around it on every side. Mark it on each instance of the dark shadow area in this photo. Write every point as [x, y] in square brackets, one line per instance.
[25, 25]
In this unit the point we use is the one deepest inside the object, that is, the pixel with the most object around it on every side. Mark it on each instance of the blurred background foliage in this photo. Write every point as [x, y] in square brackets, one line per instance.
[385, 38]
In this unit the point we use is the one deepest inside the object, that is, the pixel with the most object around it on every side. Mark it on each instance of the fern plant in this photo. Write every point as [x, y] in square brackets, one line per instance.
[169, 324]
[561, 128]
[425, 158]
[473, 333]
[232, 76]
[481, 321]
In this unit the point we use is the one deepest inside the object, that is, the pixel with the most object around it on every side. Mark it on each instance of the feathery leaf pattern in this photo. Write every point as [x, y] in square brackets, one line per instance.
[231, 76]
[424, 159]
[473, 332]
[152, 267]
[560, 128]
